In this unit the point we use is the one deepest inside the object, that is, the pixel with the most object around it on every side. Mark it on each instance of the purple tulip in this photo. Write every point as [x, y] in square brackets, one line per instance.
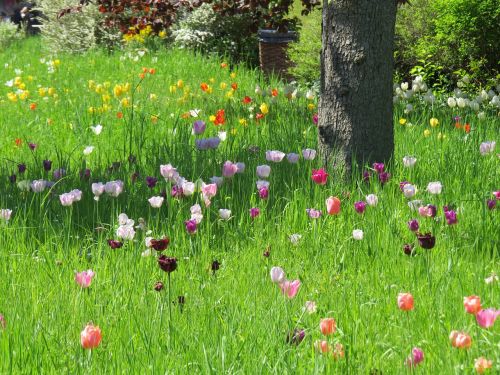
[151, 181]
[360, 207]
[413, 225]
[32, 146]
[313, 213]
[21, 168]
[199, 127]
[12, 178]
[379, 167]
[384, 177]
[491, 203]
[58, 173]
[366, 176]
[191, 226]
[451, 217]
[254, 212]
[176, 192]
[402, 185]
[264, 192]
[47, 165]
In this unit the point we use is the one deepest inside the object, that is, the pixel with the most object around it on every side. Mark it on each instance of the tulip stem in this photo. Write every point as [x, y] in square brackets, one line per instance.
[169, 312]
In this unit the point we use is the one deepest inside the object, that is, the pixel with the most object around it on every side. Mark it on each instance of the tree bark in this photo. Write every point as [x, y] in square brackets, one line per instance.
[355, 106]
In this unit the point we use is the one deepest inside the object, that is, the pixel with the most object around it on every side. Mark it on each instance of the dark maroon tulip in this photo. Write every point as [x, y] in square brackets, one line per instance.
[114, 244]
[491, 203]
[151, 181]
[432, 209]
[47, 165]
[408, 249]
[21, 168]
[267, 253]
[12, 178]
[215, 265]
[158, 286]
[384, 177]
[296, 336]
[360, 207]
[161, 244]
[134, 176]
[426, 241]
[32, 146]
[167, 264]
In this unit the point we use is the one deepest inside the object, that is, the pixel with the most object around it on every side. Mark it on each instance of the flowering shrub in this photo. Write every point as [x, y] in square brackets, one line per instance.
[9, 33]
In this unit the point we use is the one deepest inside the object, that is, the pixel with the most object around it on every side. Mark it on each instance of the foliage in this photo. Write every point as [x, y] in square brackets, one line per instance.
[9, 33]
[75, 32]
[447, 39]
[209, 32]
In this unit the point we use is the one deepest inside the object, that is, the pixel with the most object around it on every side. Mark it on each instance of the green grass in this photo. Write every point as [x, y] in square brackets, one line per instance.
[236, 321]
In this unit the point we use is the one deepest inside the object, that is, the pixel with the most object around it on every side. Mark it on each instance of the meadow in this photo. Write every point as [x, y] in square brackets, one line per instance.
[427, 224]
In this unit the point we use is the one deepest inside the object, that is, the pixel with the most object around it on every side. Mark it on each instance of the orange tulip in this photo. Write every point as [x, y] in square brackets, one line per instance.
[327, 326]
[460, 340]
[405, 301]
[90, 337]
[472, 304]
[482, 364]
[322, 346]
[333, 206]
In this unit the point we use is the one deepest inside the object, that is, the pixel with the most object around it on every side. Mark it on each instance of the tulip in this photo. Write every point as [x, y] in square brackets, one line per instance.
[169, 173]
[384, 177]
[151, 181]
[296, 336]
[486, 318]
[47, 165]
[84, 279]
[360, 207]
[191, 226]
[409, 190]
[357, 234]
[491, 203]
[199, 127]
[322, 346]
[114, 188]
[59, 173]
[290, 288]
[487, 147]
[240, 167]
[158, 286]
[167, 264]
[482, 364]
[156, 202]
[378, 167]
[295, 238]
[277, 275]
[313, 213]
[405, 301]
[366, 176]
[254, 212]
[409, 161]
[21, 168]
[292, 158]
[426, 241]
[159, 245]
[275, 156]
[413, 225]
[310, 307]
[460, 340]
[434, 187]
[408, 249]
[327, 326]
[263, 171]
[115, 244]
[427, 211]
[497, 194]
[262, 184]
[264, 193]
[333, 206]
[451, 217]
[90, 337]
[472, 304]
[417, 356]
[224, 214]
[371, 200]
[96, 129]
[229, 169]
[308, 154]
[38, 185]
[5, 214]
[319, 176]
[338, 351]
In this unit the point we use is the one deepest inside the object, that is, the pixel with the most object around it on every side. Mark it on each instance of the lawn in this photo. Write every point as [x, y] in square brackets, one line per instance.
[219, 311]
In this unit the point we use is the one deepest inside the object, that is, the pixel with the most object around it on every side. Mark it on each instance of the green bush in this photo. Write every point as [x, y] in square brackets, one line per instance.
[442, 40]
[9, 33]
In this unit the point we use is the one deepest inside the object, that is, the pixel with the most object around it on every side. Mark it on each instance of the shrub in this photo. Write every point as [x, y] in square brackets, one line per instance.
[74, 32]
[211, 33]
[9, 33]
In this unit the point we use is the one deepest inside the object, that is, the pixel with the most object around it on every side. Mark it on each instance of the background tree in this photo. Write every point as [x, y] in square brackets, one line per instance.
[355, 107]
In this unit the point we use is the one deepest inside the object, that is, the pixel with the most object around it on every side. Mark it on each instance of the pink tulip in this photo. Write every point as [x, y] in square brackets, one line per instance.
[208, 191]
[333, 206]
[229, 169]
[486, 318]
[319, 176]
[290, 288]
[90, 337]
[417, 356]
[84, 279]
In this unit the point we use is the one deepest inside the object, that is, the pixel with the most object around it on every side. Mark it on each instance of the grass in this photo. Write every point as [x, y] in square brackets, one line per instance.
[235, 321]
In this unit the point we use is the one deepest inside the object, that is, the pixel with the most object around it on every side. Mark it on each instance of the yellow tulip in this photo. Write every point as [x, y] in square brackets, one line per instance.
[434, 122]
[427, 132]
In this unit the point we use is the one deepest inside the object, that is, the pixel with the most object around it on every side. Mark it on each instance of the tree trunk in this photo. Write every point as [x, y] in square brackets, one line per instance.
[355, 106]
